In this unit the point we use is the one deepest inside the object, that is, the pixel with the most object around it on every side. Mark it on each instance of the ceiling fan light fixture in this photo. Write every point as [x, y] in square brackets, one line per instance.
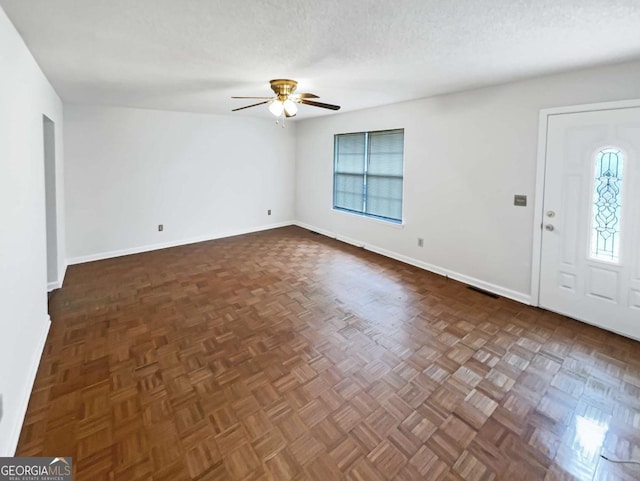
[276, 108]
[290, 107]
[285, 102]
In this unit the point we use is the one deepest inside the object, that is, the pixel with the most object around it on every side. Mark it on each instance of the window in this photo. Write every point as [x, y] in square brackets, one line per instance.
[368, 176]
[607, 203]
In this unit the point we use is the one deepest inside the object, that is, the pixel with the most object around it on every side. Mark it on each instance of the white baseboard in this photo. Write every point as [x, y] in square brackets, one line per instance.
[38, 344]
[165, 245]
[472, 281]
[487, 286]
[52, 286]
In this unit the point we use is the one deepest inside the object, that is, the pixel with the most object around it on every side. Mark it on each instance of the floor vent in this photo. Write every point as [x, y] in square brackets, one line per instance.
[483, 292]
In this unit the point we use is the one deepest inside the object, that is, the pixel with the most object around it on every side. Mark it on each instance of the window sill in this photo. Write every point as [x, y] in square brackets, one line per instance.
[389, 223]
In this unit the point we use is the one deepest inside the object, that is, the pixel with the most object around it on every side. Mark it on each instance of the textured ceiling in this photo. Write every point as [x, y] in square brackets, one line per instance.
[192, 55]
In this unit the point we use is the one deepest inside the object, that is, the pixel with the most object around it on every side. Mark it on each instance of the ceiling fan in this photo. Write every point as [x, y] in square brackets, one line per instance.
[284, 102]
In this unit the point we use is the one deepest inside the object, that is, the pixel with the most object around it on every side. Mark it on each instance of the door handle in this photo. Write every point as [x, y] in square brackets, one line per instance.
[549, 227]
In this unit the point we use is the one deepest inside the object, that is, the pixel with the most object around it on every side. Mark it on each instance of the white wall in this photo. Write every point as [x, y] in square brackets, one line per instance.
[201, 176]
[466, 155]
[25, 95]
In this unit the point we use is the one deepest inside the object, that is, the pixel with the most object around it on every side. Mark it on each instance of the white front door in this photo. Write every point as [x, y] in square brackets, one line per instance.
[590, 256]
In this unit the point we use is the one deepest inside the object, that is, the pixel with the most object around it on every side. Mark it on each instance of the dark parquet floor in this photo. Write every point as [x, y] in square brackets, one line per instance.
[285, 355]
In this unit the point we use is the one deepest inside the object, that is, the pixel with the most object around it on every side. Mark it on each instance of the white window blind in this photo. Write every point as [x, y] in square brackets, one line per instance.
[368, 173]
[349, 172]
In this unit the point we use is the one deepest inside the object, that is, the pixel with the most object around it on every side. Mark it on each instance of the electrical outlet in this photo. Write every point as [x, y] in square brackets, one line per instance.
[160, 227]
[269, 212]
[420, 242]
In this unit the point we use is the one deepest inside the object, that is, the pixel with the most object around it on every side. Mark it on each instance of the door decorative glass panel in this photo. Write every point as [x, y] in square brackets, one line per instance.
[607, 203]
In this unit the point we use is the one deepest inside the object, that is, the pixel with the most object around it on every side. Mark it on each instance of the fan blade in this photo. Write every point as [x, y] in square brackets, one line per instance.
[304, 96]
[252, 98]
[320, 104]
[253, 105]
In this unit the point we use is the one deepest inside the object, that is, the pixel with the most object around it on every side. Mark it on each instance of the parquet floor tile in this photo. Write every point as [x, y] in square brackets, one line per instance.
[285, 355]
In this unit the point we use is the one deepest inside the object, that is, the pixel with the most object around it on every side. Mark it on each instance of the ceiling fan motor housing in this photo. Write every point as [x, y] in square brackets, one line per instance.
[283, 87]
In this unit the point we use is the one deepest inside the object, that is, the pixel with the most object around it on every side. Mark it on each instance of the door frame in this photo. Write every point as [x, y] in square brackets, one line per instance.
[51, 202]
[543, 126]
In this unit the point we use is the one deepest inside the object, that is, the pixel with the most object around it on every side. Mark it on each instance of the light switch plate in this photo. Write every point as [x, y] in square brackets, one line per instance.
[520, 200]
